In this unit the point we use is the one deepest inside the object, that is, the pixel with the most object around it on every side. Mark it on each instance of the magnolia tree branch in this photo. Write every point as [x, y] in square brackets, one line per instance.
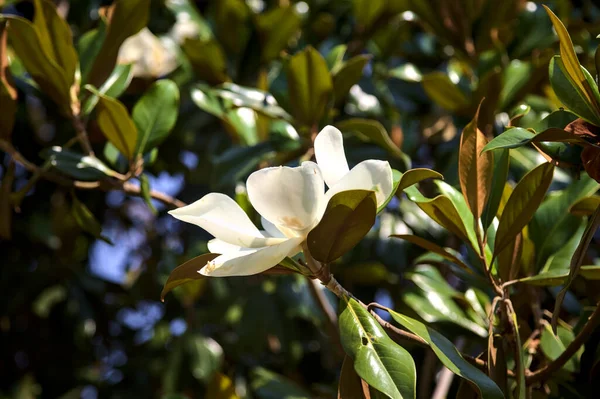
[587, 330]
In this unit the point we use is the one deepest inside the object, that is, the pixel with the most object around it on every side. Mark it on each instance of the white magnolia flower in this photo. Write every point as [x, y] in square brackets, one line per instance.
[291, 202]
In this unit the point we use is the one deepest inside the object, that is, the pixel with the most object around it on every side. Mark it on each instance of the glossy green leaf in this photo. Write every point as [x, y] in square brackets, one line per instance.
[441, 210]
[86, 220]
[553, 345]
[78, 166]
[128, 17]
[568, 93]
[428, 245]
[416, 175]
[450, 356]
[373, 131]
[576, 261]
[518, 137]
[276, 27]
[267, 385]
[378, 360]
[571, 64]
[440, 89]
[155, 114]
[56, 38]
[186, 272]
[552, 225]
[115, 123]
[499, 178]
[585, 206]
[260, 101]
[89, 46]
[347, 219]
[558, 276]
[347, 76]
[309, 85]
[521, 205]
[27, 44]
[335, 57]
[114, 86]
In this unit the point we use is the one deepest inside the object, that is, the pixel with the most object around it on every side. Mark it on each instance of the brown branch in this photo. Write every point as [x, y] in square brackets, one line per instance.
[108, 184]
[82, 135]
[587, 330]
[331, 319]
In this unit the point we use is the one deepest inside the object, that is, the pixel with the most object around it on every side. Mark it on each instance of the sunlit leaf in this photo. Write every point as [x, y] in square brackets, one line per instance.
[475, 168]
[499, 178]
[186, 272]
[450, 356]
[115, 123]
[347, 76]
[440, 89]
[373, 131]
[378, 360]
[114, 86]
[155, 114]
[522, 204]
[221, 387]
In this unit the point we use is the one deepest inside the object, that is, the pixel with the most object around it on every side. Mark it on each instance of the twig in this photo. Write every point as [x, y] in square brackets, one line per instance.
[330, 317]
[104, 185]
[580, 339]
[82, 135]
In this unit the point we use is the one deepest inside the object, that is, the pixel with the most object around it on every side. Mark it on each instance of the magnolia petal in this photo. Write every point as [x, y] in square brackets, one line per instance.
[371, 175]
[250, 261]
[217, 246]
[271, 229]
[222, 217]
[330, 155]
[288, 197]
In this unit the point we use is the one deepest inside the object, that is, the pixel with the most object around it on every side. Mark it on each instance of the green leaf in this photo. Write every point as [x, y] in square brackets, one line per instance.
[348, 75]
[440, 89]
[86, 220]
[89, 46]
[207, 59]
[569, 94]
[260, 101]
[576, 261]
[442, 211]
[268, 385]
[572, 68]
[367, 12]
[515, 77]
[114, 86]
[407, 72]
[235, 163]
[416, 175]
[553, 345]
[521, 205]
[27, 44]
[499, 178]
[378, 360]
[347, 219]
[552, 225]
[206, 357]
[335, 57]
[155, 114]
[373, 131]
[128, 17]
[518, 137]
[78, 166]
[114, 121]
[275, 28]
[186, 272]
[450, 356]
[309, 85]
[145, 188]
[558, 276]
[428, 245]
[56, 38]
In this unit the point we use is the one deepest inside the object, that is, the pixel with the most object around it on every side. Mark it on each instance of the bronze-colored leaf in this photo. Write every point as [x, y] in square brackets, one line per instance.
[590, 156]
[475, 168]
[580, 127]
[186, 272]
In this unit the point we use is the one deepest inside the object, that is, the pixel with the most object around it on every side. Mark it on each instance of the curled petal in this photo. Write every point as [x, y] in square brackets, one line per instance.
[288, 197]
[222, 217]
[248, 261]
[371, 175]
[330, 155]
